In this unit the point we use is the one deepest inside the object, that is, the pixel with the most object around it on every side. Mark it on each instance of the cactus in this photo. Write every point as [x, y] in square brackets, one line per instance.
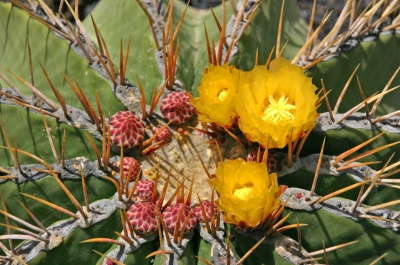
[68, 170]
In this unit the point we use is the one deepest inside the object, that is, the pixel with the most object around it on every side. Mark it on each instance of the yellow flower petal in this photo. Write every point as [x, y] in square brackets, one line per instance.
[271, 104]
[247, 193]
[216, 91]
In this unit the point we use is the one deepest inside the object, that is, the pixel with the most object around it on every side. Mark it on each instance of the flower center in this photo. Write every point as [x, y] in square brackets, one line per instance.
[243, 192]
[223, 95]
[278, 111]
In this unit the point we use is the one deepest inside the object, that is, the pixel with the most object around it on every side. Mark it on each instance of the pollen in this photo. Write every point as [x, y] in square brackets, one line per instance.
[243, 192]
[278, 110]
[223, 95]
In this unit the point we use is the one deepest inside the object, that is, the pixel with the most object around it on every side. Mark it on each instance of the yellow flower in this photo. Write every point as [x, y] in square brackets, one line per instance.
[216, 91]
[247, 193]
[272, 104]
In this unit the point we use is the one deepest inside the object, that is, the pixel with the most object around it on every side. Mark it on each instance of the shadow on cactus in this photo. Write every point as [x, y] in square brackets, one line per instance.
[219, 137]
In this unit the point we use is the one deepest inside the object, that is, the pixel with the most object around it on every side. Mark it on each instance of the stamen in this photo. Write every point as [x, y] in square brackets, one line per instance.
[278, 110]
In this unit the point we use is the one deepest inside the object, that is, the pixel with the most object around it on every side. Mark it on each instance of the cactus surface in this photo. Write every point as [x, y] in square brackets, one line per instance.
[62, 89]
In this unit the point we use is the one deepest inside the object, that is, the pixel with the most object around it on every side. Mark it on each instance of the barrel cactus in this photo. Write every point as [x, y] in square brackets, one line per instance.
[155, 133]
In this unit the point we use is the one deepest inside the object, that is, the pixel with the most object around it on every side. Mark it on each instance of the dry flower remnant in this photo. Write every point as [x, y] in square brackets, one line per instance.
[247, 193]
